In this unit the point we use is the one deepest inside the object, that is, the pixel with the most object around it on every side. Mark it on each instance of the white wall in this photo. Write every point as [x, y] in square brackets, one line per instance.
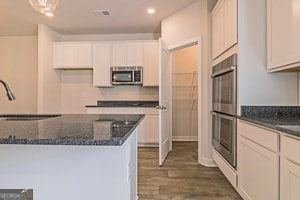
[182, 27]
[18, 67]
[256, 85]
[49, 86]
[78, 91]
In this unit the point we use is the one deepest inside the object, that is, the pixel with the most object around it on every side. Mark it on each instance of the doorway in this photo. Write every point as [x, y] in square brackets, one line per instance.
[185, 93]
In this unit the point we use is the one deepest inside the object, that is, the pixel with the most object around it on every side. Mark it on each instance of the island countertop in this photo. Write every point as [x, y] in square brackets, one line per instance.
[70, 129]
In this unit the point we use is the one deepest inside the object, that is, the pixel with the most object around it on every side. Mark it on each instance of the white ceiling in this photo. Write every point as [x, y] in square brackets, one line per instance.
[76, 17]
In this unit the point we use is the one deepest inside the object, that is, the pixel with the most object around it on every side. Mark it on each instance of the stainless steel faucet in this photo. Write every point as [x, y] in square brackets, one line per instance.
[10, 95]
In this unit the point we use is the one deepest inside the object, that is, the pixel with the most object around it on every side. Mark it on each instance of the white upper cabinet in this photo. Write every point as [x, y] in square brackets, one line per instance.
[224, 26]
[127, 54]
[283, 35]
[150, 64]
[72, 55]
[101, 64]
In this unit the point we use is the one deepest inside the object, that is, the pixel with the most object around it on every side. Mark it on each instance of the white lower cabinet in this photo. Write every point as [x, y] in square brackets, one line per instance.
[257, 163]
[148, 130]
[290, 168]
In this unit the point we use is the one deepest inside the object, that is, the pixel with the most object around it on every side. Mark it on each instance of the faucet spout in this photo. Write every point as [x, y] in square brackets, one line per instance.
[10, 95]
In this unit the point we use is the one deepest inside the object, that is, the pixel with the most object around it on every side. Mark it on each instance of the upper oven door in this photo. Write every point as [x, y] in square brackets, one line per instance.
[224, 88]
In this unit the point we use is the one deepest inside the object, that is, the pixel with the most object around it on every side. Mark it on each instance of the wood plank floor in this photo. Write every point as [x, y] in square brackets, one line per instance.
[181, 177]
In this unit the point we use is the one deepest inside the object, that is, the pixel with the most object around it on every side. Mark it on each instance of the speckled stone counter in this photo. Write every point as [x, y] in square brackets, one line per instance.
[72, 129]
[125, 104]
[281, 118]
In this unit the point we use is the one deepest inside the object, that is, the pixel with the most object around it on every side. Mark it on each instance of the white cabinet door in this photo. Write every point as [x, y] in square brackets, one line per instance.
[289, 180]
[68, 55]
[258, 171]
[283, 34]
[224, 26]
[257, 162]
[119, 54]
[101, 65]
[150, 64]
[290, 168]
[127, 54]
[230, 23]
[135, 54]
[218, 29]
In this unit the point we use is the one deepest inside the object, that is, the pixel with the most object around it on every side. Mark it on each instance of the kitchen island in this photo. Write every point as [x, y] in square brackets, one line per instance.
[70, 156]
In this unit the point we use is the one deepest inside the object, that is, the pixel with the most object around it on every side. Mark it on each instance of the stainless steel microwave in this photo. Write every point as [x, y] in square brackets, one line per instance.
[126, 75]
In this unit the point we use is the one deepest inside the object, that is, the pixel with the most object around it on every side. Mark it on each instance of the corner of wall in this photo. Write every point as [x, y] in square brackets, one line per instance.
[49, 89]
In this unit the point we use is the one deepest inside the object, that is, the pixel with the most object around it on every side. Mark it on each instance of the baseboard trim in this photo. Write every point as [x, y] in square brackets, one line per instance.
[207, 162]
[185, 138]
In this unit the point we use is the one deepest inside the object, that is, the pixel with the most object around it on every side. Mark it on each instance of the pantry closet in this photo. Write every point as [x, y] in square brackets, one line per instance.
[185, 94]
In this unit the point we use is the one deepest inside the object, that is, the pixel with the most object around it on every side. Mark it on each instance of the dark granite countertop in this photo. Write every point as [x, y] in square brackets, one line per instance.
[285, 119]
[69, 129]
[126, 104]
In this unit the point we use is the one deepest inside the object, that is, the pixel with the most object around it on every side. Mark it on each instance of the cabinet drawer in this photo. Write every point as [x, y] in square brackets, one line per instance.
[290, 148]
[261, 136]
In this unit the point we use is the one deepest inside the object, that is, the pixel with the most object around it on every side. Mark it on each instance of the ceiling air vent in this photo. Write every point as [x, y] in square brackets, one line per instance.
[102, 12]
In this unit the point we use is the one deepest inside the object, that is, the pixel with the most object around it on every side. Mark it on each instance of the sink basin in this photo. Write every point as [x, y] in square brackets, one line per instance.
[26, 117]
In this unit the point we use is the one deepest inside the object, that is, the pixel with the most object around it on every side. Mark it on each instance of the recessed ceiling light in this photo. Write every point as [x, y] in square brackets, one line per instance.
[150, 10]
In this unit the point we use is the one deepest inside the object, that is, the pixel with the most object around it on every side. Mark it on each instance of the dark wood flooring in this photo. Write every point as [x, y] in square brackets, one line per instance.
[180, 177]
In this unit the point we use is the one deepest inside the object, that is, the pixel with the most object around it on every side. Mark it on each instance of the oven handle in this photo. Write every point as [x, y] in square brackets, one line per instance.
[223, 71]
[223, 116]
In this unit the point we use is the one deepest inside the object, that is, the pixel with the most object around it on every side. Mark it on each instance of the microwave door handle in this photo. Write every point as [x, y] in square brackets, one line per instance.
[223, 71]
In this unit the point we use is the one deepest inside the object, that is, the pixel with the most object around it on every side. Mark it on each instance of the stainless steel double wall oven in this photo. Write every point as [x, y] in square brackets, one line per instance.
[224, 108]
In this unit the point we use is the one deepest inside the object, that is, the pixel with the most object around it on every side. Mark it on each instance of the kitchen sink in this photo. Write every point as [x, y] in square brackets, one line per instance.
[25, 117]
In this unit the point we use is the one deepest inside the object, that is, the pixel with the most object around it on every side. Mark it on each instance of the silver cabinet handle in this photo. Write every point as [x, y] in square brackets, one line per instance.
[161, 107]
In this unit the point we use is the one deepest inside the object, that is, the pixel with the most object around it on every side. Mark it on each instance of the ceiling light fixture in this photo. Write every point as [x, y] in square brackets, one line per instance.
[150, 10]
[46, 7]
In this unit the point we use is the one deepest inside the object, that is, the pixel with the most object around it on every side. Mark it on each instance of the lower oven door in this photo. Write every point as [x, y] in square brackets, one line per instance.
[224, 136]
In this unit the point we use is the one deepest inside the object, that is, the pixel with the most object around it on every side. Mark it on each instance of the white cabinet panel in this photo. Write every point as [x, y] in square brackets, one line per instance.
[119, 54]
[290, 168]
[289, 180]
[101, 65]
[135, 54]
[257, 162]
[283, 34]
[127, 54]
[258, 171]
[72, 55]
[224, 26]
[150, 64]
